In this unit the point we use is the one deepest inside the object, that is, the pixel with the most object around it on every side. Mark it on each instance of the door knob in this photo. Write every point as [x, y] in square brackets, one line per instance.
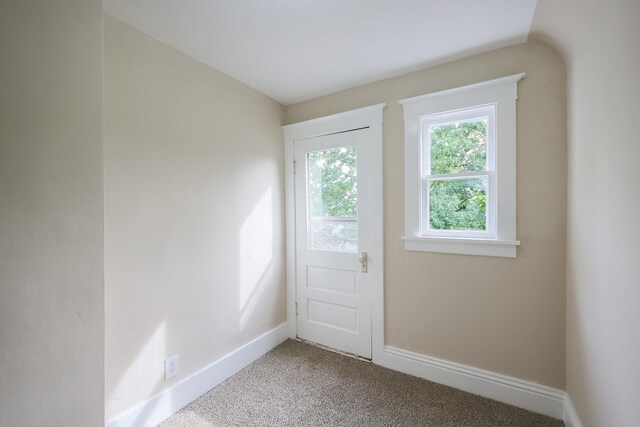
[364, 261]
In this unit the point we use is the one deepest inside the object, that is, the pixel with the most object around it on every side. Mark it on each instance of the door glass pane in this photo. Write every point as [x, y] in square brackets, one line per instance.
[458, 204]
[330, 235]
[333, 199]
[459, 146]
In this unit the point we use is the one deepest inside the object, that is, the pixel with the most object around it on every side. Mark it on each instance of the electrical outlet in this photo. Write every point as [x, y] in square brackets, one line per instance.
[171, 367]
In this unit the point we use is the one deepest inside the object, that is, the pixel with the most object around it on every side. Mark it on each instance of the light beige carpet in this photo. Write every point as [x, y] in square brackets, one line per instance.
[300, 385]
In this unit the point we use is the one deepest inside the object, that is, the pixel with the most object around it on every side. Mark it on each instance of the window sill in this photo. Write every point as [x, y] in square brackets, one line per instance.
[464, 246]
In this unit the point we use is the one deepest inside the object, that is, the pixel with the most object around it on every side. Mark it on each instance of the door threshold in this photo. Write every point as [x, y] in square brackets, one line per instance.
[333, 350]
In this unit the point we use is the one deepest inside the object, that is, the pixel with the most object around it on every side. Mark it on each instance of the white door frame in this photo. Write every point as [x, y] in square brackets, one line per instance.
[368, 117]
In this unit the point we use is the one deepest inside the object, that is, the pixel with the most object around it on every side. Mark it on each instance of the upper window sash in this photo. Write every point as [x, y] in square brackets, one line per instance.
[464, 115]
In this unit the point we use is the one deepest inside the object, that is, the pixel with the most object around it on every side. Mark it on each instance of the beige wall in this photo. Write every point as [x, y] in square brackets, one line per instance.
[51, 214]
[193, 214]
[504, 315]
[600, 44]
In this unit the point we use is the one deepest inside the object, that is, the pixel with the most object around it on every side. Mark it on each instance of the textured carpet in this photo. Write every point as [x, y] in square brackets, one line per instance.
[300, 385]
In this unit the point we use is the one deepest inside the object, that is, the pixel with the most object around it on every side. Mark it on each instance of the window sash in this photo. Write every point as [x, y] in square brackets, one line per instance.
[489, 231]
[487, 111]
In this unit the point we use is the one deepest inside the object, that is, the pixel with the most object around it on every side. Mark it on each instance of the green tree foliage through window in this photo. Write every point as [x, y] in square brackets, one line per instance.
[333, 182]
[459, 203]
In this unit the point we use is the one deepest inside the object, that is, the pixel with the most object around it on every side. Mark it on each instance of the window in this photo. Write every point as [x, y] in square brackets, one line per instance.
[460, 170]
[457, 179]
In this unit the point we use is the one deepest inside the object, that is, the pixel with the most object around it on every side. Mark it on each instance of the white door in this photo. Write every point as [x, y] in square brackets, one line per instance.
[333, 238]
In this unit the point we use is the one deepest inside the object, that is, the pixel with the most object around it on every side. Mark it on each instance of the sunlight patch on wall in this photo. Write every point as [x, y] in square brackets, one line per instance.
[255, 255]
[147, 364]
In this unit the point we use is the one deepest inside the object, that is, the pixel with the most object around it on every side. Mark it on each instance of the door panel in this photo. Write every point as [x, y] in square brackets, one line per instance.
[328, 279]
[333, 315]
[333, 211]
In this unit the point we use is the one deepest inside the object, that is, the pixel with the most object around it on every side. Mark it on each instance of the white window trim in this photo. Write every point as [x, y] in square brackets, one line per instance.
[502, 93]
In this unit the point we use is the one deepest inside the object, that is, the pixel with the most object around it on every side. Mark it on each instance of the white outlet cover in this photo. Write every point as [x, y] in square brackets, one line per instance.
[171, 367]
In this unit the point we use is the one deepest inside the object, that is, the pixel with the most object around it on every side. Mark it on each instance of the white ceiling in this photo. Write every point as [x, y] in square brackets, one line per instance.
[293, 50]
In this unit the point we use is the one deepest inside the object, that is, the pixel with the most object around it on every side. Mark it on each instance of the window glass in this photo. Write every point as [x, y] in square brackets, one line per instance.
[458, 147]
[333, 199]
[458, 204]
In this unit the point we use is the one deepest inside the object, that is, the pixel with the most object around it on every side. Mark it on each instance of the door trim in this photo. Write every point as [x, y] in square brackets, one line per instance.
[368, 117]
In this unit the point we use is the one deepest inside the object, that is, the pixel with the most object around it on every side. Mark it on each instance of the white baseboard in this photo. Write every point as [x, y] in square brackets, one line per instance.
[523, 394]
[570, 416]
[166, 403]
